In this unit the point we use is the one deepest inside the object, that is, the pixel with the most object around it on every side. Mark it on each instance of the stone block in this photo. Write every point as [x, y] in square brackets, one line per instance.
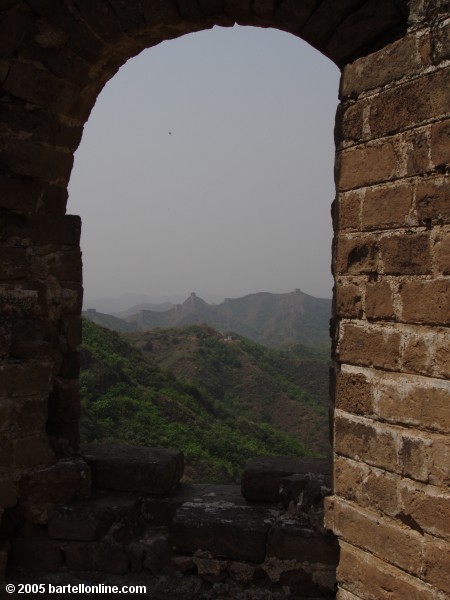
[410, 104]
[19, 303]
[36, 554]
[394, 62]
[90, 519]
[152, 471]
[223, 530]
[426, 508]
[426, 301]
[354, 393]
[355, 255]
[366, 165]
[96, 556]
[349, 212]
[42, 488]
[369, 346]
[262, 476]
[437, 564]
[34, 159]
[348, 300]
[441, 42]
[406, 254]
[366, 486]
[442, 252]
[442, 355]
[14, 263]
[366, 441]
[381, 536]
[32, 451]
[379, 303]
[36, 85]
[159, 511]
[386, 207]
[387, 582]
[291, 540]
[418, 354]
[440, 143]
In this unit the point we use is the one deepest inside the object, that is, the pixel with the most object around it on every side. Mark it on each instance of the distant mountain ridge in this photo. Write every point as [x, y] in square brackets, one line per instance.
[271, 319]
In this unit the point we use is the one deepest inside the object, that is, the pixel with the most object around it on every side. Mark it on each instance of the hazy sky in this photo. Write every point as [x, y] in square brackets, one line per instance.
[207, 166]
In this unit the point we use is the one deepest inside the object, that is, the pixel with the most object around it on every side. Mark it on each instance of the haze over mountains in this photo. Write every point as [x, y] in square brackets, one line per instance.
[271, 319]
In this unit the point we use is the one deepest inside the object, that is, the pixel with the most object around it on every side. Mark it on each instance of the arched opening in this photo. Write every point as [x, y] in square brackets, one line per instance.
[236, 196]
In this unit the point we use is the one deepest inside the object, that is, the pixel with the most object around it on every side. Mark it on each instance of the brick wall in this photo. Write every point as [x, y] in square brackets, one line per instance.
[391, 255]
[392, 311]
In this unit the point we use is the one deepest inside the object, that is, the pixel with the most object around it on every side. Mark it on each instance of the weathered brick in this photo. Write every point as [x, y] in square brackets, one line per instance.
[19, 193]
[30, 415]
[366, 165]
[386, 207]
[383, 537]
[34, 159]
[414, 456]
[425, 457]
[32, 451]
[14, 263]
[442, 252]
[366, 441]
[387, 582]
[65, 264]
[38, 86]
[441, 42]
[425, 507]
[366, 486]
[442, 355]
[393, 62]
[101, 16]
[432, 201]
[369, 346]
[350, 122]
[379, 300]
[354, 393]
[437, 564]
[440, 143]
[349, 207]
[426, 301]
[414, 152]
[406, 254]
[348, 300]
[355, 255]
[417, 354]
[18, 380]
[425, 407]
[410, 104]
[40, 126]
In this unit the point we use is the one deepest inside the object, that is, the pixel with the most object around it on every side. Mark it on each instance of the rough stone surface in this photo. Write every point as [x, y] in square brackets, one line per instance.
[153, 471]
[91, 519]
[261, 479]
[223, 529]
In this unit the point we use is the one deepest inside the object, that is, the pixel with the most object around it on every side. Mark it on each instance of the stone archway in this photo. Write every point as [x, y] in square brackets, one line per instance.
[390, 257]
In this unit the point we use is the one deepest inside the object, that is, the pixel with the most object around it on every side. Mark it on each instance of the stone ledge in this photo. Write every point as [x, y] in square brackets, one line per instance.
[151, 471]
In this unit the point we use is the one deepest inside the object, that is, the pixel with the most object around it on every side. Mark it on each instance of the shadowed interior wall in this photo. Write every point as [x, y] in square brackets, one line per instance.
[391, 257]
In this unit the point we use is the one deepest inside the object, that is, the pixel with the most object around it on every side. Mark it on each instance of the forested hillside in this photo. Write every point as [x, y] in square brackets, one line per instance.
[130, 397]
